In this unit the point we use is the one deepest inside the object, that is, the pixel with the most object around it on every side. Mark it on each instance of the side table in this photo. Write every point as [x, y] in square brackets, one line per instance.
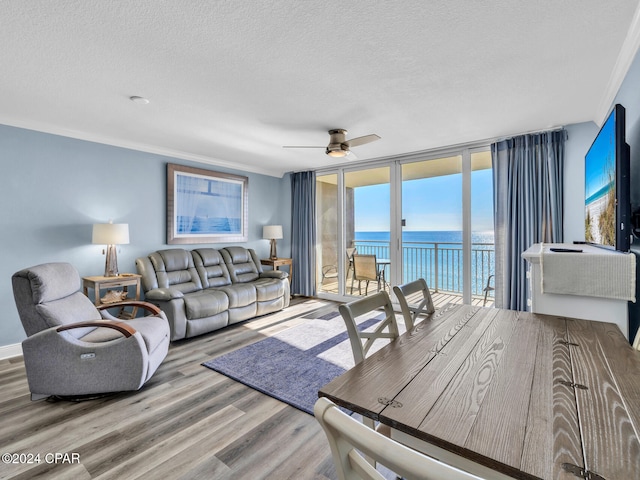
[278, 262]
[122, 281]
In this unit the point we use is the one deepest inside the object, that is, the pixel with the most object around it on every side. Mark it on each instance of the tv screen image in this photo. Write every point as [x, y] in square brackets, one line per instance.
[600, 188]
[607, 201]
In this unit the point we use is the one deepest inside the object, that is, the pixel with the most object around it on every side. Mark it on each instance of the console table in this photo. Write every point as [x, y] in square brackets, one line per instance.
[585, 307]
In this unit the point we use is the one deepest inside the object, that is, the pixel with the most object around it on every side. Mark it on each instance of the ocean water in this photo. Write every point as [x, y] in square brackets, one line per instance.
[428, 237]
[436, 256]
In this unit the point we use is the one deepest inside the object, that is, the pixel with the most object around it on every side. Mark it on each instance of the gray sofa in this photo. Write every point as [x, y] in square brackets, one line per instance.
[205, 289]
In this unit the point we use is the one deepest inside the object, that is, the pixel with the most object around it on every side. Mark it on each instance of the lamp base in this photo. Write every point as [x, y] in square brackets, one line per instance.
[273, 255]
[111, 263]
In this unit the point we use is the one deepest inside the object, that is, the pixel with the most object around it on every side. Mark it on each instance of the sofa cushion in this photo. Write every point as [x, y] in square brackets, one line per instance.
[211, 267]
[154, 332]
[205, 304]
[240, 294]
[72, 309]
[174, 268]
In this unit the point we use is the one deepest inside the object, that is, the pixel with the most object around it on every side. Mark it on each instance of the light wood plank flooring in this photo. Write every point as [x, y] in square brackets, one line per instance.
[187, 422]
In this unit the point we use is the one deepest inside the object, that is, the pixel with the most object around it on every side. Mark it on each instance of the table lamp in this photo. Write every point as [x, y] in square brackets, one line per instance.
[110, 234]
[272, 232]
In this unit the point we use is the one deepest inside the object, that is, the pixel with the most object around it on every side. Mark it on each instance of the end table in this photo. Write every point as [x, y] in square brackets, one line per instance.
[278, 262]
[122, 281]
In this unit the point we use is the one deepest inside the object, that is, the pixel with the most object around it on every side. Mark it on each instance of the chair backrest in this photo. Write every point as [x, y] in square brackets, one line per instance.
[361, 342]
[406, 295]
[172, 268]
[211, 267]
[243, 264]
[364, 267]
[347, 437]
[48, 295]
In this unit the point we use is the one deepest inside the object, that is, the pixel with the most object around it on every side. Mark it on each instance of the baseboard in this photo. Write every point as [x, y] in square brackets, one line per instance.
[9, 351]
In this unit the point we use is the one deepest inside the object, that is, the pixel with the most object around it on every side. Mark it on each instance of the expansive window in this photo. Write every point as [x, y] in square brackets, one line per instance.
[428, 218]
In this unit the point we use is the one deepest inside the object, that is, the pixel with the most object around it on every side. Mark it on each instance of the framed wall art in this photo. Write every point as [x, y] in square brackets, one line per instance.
[204, 206]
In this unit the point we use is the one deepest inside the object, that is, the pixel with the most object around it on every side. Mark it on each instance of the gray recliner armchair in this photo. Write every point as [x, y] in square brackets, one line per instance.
[74, 348]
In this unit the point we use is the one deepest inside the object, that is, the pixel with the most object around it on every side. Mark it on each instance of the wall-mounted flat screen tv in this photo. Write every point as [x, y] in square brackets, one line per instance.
[607, 195]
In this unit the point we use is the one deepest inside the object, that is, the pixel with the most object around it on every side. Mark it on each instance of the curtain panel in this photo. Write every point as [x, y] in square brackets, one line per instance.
[303, 232]
[528, 176]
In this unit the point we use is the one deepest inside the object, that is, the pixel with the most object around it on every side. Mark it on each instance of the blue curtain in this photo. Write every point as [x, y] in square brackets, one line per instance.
[303, 232]
[528, 174]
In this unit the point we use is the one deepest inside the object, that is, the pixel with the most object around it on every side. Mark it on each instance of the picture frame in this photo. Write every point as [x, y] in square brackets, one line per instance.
[204, 206]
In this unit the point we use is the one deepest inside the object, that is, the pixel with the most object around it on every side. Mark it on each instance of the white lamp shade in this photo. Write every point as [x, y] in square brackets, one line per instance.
[110, 234]
[272, 232]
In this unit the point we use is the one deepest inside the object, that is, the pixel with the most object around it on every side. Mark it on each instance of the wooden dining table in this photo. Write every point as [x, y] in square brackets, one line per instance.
[506, 394]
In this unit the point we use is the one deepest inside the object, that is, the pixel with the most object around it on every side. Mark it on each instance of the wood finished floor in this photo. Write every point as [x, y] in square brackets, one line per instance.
[187, 422]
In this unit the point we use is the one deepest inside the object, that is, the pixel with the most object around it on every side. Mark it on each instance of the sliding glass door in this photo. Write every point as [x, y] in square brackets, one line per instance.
[367, 230]
[432, 226]
[428, 218]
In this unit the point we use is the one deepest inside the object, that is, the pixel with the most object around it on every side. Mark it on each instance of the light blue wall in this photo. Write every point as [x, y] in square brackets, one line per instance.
[53, 189]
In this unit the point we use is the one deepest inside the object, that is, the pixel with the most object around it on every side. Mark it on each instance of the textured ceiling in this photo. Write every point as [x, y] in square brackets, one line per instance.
[231, 82]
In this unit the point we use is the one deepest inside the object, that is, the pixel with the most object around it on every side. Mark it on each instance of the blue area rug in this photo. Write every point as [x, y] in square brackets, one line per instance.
[294, 364]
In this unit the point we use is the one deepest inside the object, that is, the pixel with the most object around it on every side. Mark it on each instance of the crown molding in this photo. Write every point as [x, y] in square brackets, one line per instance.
[625, 58]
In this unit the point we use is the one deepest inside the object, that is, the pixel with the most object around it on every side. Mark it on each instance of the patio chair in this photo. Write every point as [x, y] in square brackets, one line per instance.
[347, 438]
[365, 269]
[405, 293]
[487, 289]
[350, 253]
[331, 271]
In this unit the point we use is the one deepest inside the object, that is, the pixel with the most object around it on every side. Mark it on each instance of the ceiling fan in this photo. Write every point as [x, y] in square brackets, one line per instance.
[339, 146]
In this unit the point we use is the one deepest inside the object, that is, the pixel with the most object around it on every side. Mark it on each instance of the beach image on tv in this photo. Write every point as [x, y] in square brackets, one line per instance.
[600, 194]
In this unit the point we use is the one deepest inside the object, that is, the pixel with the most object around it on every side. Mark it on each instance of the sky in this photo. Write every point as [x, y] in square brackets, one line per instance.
[428, 204]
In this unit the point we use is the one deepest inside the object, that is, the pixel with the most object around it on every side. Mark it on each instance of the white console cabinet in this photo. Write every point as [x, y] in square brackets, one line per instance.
[576, 306]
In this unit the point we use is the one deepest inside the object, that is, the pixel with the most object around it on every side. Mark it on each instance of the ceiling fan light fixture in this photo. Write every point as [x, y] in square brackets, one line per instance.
[337, 153]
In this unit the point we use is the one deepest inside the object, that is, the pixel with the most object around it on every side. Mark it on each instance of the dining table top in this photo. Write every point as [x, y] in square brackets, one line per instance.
[527, 395]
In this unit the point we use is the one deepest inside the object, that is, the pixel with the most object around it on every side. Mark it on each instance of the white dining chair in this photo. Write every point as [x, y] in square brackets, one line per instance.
[347, 437]
[406, 293]
[362, 341]
[636, 341]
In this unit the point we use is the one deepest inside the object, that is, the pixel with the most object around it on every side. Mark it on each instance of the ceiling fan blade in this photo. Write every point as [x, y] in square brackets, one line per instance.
[354, 142]
[301, 146]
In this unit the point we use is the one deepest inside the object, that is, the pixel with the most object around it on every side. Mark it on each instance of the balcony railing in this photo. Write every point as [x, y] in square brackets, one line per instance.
[439, 263]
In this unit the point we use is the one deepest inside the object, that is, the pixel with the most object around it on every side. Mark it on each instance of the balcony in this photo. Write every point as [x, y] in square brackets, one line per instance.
[439, 263]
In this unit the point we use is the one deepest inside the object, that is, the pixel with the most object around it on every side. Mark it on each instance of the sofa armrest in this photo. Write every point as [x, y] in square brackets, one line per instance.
[123, 328]
[163, 294]
[274, 274]
[149, 307]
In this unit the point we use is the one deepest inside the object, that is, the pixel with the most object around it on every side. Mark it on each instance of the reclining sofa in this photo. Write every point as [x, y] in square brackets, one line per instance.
[206, 289]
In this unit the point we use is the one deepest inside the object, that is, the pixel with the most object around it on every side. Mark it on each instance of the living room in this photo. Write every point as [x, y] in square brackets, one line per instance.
[58, 182]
